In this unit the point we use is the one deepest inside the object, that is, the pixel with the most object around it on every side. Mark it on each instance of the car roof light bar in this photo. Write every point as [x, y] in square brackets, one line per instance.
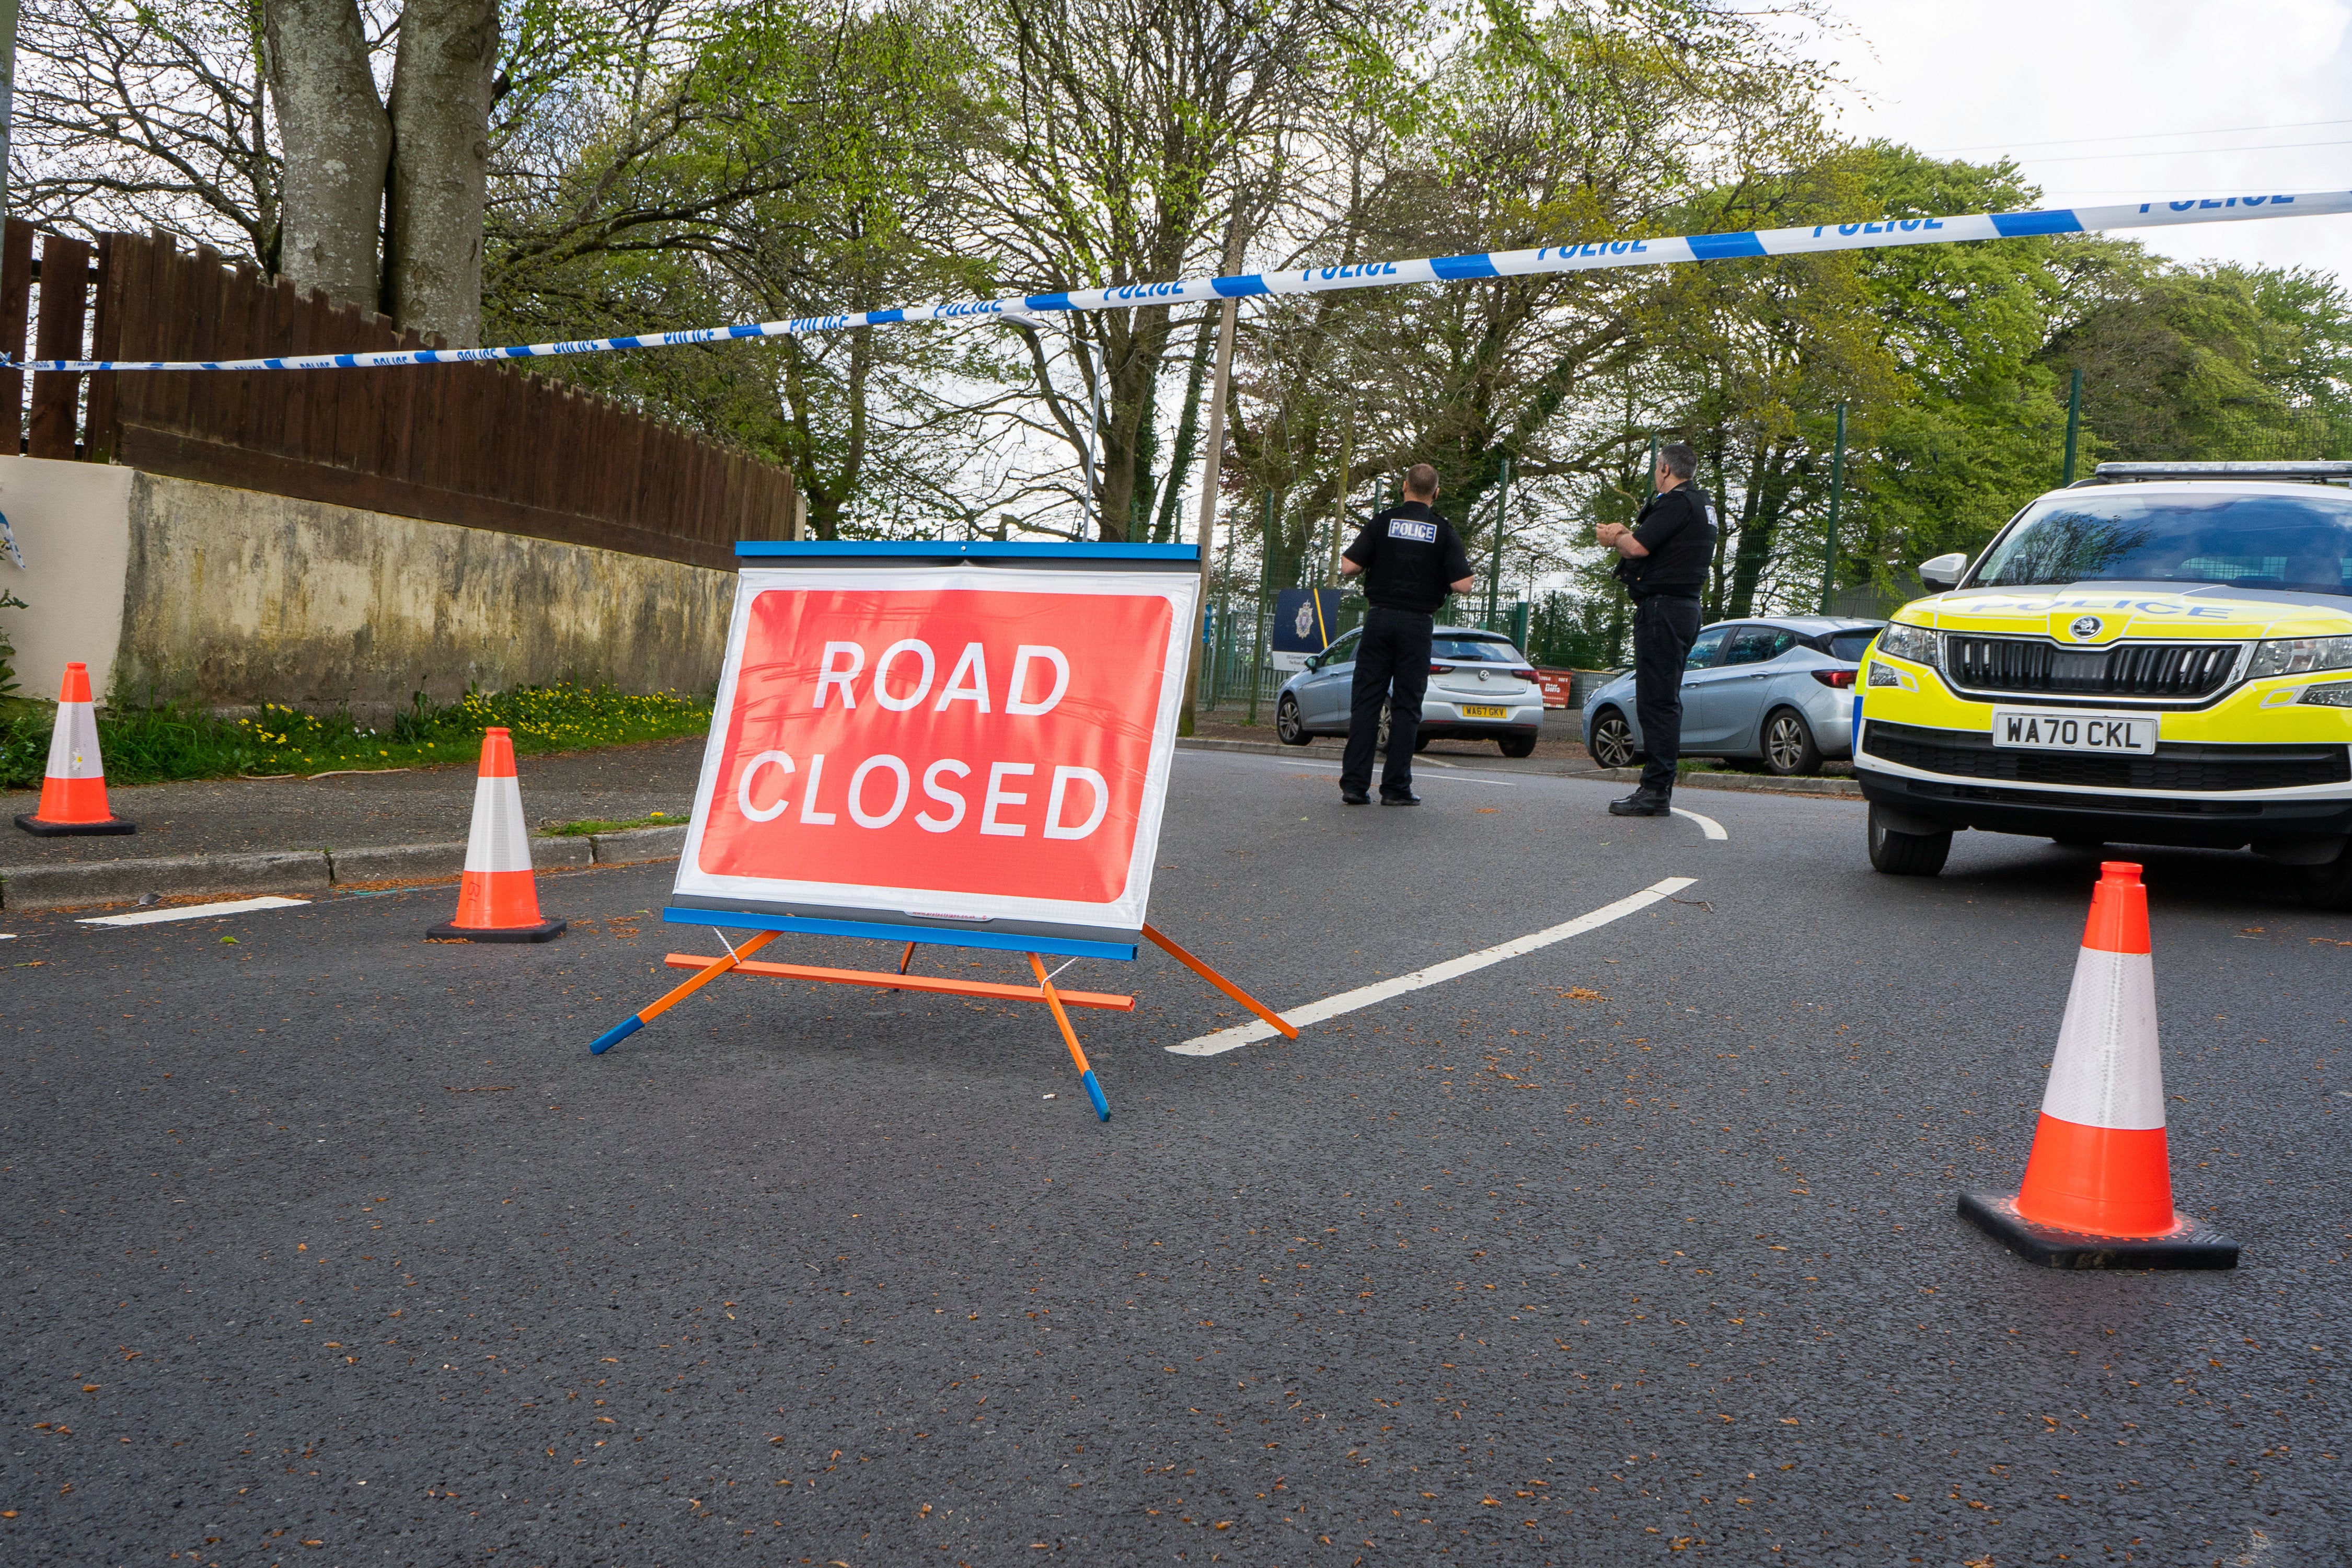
[2321, 472]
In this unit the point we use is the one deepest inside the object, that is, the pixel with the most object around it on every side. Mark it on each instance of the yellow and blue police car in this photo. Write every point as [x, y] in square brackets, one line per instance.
[2159, 655]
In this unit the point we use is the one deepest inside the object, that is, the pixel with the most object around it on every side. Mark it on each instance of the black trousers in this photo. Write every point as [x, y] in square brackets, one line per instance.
[1391, 666]
[1663, 630]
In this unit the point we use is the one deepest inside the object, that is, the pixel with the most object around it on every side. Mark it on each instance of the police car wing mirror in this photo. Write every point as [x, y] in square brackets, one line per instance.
[1943, 571]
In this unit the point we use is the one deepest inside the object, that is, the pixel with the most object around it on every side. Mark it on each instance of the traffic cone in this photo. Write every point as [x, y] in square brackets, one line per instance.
[73, 790]
[2097, 1192]
[497, 900]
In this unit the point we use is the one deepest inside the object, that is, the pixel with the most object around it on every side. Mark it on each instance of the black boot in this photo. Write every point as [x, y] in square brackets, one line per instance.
[1643, 803]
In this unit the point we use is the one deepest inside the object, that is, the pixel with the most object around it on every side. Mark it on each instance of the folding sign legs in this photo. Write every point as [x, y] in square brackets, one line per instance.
[1077, 1053]
[702, 977]
[1281, 1026]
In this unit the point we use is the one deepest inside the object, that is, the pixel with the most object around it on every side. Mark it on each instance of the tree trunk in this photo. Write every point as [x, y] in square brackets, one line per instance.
[1131, 352]
[1768, 484]
[1188, 429]
[337, 140]
[440, 165]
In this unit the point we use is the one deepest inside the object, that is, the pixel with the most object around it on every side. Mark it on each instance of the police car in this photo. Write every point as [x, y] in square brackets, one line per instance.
[2159, 655]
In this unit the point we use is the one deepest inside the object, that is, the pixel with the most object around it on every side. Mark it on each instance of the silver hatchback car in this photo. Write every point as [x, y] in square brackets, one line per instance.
[1481, 688]
[1779, 691]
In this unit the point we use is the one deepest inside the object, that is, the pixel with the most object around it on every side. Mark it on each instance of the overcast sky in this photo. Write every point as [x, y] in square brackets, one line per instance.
[2114, 100]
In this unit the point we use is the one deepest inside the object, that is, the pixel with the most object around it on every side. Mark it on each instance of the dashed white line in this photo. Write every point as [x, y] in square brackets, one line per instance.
[192, 911]
[1452, 969]
[1707, 824]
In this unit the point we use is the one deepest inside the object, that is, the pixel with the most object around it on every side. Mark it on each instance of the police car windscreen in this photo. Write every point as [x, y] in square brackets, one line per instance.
[1474, 650]
[2281, 541]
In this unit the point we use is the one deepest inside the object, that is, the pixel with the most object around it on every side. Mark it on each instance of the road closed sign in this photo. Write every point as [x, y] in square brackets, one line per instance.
[975, 746]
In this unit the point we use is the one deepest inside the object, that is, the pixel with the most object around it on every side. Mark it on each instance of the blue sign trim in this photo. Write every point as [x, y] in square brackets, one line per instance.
[958, 550]
[929, 936]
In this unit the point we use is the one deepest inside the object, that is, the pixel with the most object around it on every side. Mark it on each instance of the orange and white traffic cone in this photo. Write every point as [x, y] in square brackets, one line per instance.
[2097, 1192]
[73, 790]
[497, 900]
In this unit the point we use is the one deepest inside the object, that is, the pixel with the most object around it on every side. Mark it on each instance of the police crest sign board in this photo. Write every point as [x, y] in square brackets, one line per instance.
[974, 743]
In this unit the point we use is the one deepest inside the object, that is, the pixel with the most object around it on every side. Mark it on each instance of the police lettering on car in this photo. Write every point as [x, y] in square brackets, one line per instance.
[1409, 557]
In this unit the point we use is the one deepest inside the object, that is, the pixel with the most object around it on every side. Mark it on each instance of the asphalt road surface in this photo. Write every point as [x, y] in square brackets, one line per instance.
[328, 1245]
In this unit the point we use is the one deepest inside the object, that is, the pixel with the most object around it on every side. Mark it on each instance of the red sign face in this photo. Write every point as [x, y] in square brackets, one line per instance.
[982, 742]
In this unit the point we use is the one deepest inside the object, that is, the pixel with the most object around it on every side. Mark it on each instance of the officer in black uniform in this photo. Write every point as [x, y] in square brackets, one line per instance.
[1664, 564]
[1409, 557]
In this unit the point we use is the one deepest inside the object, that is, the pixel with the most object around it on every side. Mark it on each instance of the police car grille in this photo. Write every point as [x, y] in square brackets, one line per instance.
[2173, 767]
[2126, 669]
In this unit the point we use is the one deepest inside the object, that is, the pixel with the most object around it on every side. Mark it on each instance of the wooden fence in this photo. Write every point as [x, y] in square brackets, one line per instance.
[482, 445]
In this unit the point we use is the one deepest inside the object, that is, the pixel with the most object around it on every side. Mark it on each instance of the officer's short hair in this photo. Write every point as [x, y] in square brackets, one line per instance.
[1679, 459]
[1420, 480]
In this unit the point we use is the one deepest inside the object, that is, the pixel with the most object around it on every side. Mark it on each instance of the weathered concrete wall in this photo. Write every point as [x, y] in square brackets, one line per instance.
[233, 596]
[224, 597]
[72, 521]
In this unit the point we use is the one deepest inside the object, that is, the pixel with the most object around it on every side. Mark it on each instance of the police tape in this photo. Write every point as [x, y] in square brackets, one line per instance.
[1593, 256]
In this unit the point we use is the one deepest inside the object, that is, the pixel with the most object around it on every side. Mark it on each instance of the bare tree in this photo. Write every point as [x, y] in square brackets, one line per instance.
[152, 116]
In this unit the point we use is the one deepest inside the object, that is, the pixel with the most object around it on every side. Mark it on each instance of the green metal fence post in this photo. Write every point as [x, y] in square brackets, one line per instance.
[1495, 555]
[1257, 622]
[1519, 613]
[1837, 490]
[2074, 425]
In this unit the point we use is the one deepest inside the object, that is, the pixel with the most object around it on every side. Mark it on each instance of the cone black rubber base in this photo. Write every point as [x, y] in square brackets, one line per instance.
[545, 931]
[34, 824]
[2192, 1244]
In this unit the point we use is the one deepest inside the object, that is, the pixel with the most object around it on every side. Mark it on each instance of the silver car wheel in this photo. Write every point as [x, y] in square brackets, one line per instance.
[1289, 724]
[1613, 740]
[1789, 747]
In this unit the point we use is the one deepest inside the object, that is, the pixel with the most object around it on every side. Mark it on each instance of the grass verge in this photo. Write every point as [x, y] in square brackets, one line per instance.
[159, 744]
[588, 826]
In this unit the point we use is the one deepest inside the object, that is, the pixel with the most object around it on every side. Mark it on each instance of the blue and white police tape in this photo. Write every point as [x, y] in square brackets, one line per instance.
[1589, 257]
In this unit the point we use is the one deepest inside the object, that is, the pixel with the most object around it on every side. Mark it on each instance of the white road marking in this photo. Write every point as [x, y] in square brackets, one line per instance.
[1713, 828]
[1452, 969]
[193, 911]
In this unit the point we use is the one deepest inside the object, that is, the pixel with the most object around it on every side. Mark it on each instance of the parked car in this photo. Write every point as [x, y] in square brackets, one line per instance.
[1780, 691]
[1481, 688]
[2159, 655]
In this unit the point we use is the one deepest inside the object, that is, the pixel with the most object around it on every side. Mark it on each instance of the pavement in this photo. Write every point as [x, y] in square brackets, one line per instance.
[328, 1245]
[345, 811]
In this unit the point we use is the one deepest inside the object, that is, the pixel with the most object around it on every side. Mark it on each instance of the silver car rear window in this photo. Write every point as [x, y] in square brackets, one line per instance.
[1476, 650]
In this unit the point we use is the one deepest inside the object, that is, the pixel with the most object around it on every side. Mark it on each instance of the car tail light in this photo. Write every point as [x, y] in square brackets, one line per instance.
[1525, 674]
[1441, 669]
[1841, 678]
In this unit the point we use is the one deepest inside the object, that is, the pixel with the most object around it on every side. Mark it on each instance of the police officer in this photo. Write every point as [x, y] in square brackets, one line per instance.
[1663, 561]
[1409, 557]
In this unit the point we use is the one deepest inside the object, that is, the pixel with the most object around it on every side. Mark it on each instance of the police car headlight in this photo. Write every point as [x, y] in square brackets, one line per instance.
[2335, 694]
[1918, 644]
[2292, 656]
